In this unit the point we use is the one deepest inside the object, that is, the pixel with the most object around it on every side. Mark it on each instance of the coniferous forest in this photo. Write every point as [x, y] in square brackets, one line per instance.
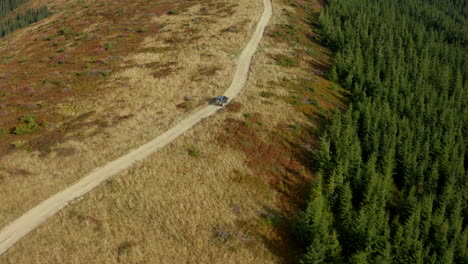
[391, 182]
[9, 5]
[20, 20]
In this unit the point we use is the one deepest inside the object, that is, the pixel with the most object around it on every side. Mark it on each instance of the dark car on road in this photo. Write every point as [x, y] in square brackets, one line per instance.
[219, 100]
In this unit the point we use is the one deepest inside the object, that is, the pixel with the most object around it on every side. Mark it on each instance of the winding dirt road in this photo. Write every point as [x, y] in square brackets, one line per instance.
[20, 227]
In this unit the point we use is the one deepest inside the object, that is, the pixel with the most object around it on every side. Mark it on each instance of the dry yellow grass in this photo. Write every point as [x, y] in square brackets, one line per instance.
[173, 207]
[150, 101]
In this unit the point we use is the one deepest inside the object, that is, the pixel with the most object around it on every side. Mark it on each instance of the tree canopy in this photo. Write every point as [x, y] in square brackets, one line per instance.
[20, 20]
[392, 175]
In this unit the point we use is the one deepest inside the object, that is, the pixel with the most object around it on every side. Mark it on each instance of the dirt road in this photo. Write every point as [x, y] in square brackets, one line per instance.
[20, 227]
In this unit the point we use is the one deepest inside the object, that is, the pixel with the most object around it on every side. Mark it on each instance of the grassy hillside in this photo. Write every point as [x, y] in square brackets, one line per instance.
[224, 192]
[70, 57]
[83, 87]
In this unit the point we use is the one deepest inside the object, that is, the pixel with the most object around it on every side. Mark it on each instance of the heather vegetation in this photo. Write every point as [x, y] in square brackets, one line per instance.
[20, 20]
[391, 183]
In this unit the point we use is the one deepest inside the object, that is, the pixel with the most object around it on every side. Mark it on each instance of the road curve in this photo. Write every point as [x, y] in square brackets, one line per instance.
[20, 227]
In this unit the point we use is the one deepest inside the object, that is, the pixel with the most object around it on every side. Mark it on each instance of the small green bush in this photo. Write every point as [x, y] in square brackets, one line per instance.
[266, 94]
[17, 144]
[124, 248]
[109, 46]
[277, 34]
[58, 82]
[314, 101]
[27, 125]
[248, 115]
[173, 12]
[65, 31]
[2, 132]
[287, 61]
[295, 127]
[193, 152]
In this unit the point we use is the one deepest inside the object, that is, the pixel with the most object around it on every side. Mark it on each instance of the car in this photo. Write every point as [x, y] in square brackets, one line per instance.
[219, 100]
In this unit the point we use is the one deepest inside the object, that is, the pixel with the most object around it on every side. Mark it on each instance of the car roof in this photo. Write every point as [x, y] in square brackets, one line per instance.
[221, 97]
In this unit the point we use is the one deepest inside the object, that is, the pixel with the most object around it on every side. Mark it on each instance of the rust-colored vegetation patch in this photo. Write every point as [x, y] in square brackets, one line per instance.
[272, 154]
[234, 107]
[163, 70]
[208, 71]
[223, 9]
[68, 57]
[280, 158]
[280, 155]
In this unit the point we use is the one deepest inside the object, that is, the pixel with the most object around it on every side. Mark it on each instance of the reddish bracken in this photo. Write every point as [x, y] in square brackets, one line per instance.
[99, 50]
[61, 58]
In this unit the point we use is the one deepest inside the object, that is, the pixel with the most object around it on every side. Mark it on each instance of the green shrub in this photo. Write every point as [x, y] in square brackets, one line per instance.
[124, 248]
[17, 144]
[266, 94]
[248, 115]
[27, 125]
[193, 152]
[277, 34]
[314, 101]
[295, 127]
[57, 82]
[109, 46]
[287, 61]
[173, 12]
[49, 38]
[2, 132]
[65, 31]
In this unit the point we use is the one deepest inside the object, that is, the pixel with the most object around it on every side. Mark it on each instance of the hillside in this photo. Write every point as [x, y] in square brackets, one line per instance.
[101, 85]
[96, 100]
